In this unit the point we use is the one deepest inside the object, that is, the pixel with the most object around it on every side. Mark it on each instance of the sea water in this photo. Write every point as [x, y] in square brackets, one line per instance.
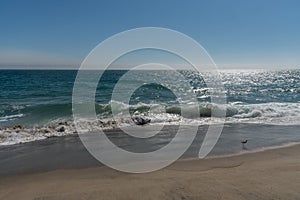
[35, 104]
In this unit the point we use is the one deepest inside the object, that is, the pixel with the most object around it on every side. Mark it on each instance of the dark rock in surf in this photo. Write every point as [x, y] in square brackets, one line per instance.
[61, 129]
[45, 130]
[63, 123]
[18, 127]
[141, 121]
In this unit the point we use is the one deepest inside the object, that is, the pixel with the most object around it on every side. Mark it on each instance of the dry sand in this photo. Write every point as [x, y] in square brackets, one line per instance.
[272, 174]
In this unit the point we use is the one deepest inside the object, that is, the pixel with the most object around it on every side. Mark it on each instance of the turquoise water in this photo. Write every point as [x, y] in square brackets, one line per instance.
[36, 99]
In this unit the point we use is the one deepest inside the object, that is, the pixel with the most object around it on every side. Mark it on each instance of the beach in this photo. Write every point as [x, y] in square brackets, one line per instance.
[43, 157]
[149, 100]
[270, 174]
[61, 168]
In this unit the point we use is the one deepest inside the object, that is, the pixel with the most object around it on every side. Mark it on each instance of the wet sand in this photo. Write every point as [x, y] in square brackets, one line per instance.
[271, 174]
[68, 152]
[61, 168]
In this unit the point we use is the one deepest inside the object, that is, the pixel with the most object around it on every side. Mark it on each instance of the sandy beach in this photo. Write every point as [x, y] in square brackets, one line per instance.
[271, 174]
[149, 100]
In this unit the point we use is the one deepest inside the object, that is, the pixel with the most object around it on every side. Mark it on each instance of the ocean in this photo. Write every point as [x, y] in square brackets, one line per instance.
[35, 104]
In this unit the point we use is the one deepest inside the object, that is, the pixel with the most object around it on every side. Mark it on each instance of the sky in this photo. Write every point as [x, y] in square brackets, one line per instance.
[236, 33]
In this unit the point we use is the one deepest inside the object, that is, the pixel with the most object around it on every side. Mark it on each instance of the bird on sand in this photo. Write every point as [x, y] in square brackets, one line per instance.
[243, 143]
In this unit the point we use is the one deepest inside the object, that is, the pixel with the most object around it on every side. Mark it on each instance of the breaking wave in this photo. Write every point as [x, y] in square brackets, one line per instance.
[56, 120]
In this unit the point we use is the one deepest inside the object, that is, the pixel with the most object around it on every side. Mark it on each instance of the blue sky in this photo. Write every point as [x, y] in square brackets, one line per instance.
[237, 34]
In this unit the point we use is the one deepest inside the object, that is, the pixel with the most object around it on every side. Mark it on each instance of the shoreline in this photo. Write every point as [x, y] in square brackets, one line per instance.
[263, 149]
[261, 175]
[68, 152]
[26, 134]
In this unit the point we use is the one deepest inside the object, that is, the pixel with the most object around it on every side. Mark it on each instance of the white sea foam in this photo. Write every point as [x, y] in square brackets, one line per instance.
[268, 113]
[10, 117]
